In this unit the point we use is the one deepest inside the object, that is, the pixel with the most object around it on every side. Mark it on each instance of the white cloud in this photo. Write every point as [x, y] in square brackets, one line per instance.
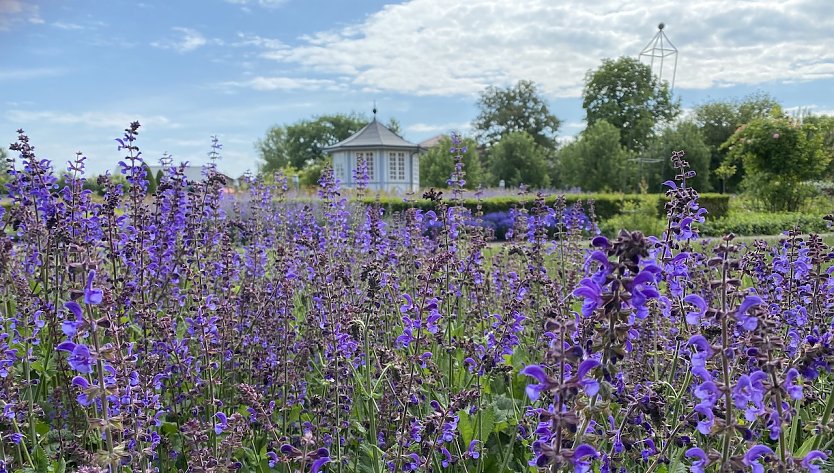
[804, 110]
[263, 83]
[15, 12]
[260, 3]
[189, 40]
[111, 121]
[443, 47]
[30, 73]
[441, 128]
[67, 26]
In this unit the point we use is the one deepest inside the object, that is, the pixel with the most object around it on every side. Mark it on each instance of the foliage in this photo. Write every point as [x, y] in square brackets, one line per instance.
[605, 206]
[625, 93]
[596, 161]
[515, 109]
[763, 223]
[635, 215]
[4, 168]
[825, 127]
[718, 120]
[301, 143]
[437, 165]
[654, 167]
[311, 174]
[778, 154]
[517, 159]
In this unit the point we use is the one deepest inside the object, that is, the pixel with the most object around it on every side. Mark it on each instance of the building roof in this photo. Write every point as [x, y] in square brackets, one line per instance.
[373, 135]
[433, 141]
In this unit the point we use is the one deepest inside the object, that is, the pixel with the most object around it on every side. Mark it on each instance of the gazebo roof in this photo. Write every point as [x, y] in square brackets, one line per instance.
[373, 135]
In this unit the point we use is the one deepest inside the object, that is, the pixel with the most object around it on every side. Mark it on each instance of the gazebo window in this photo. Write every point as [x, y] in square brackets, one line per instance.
[396, 166]
[369, 161]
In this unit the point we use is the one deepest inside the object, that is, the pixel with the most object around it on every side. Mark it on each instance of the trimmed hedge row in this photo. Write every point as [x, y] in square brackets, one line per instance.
[756, 223]
[605, 205]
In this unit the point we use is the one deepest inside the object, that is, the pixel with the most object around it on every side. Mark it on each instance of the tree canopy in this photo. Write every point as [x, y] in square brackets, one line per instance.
[684, 136]
[520, 108]
[596, 161]
[718, 120]
[437, 164]
[4, 169]
[518, 159]
[626, 94]
[778, 154]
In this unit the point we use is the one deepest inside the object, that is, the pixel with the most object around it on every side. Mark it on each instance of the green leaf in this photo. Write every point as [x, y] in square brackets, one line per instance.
[466, 427]
[169, 428]
[41, 427]
[59, 466]
[40, 461]
[806, 447]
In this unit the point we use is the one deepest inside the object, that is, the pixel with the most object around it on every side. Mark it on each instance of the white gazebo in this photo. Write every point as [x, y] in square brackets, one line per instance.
[393, 163]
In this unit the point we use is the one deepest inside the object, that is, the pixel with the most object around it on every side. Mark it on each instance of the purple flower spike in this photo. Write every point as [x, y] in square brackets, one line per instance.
[92, 296]
[447, 460]
[592, 293]
[704, 352]
[694, 318]
[471, 451]
[81, 382]
[752, 456]
[590, 386]
[702, 461]
[600, 242]
[318, 464]
[74, 308]
[705, 424]
[222, 423]
[794, 390]
[582, 457]
[534, 390]
[811, 456]
[747, 322]
[80, 358]
[409, 304]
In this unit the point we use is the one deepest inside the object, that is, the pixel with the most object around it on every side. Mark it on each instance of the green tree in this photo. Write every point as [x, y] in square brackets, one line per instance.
[4, 171]
[626, 94]
[718, 120]
[778, 154]
[597, 161]
[825, 126]
[515, 109]
[302, 142]
[438, 163]
[518, 159]
[657, 165]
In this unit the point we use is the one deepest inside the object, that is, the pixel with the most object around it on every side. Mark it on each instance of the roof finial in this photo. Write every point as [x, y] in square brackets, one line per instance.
[374, 110]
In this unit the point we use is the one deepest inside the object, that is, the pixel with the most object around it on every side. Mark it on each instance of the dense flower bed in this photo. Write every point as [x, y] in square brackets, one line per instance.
[188, 330]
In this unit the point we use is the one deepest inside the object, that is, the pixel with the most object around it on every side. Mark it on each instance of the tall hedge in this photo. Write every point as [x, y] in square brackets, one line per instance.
[605, 205]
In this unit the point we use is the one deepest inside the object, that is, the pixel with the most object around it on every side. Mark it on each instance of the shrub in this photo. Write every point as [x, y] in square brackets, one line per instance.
[762, 223]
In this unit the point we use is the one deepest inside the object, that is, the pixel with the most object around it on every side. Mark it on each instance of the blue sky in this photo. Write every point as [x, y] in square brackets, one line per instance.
[75, 72]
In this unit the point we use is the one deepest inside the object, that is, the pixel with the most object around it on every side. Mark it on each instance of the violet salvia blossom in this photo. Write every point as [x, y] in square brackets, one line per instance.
[751, 458]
